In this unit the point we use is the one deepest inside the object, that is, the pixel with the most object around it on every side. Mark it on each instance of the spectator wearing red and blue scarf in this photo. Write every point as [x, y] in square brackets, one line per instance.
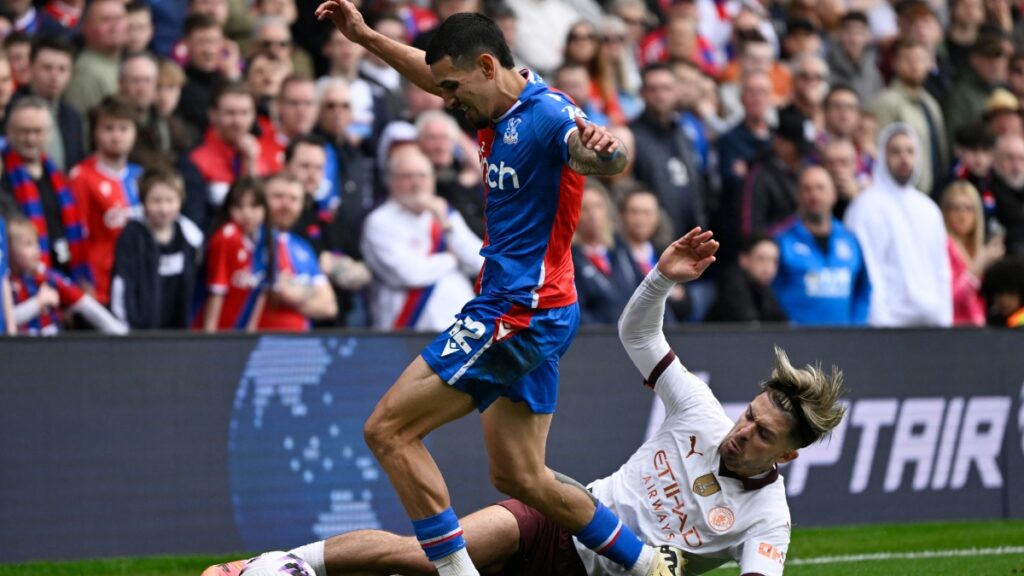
[41, 191]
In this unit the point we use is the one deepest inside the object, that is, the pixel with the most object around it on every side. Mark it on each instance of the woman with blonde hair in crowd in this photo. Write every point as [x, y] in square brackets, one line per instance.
[969, 255]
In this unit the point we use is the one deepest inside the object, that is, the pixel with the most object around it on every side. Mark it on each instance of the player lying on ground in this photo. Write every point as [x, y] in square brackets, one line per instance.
[702, 483]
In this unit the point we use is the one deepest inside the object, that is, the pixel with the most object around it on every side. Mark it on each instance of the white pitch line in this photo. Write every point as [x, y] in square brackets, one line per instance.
[999, 551]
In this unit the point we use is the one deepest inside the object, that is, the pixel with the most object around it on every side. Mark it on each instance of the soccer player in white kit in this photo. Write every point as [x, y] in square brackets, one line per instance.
[701, 483]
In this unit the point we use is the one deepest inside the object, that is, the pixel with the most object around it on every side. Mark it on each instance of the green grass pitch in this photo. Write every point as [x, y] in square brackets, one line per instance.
[993, 548]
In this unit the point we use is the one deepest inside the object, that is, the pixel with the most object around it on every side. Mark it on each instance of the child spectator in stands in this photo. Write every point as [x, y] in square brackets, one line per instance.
[1003, 289]
[237, 259]
[969, 254]
[299, 290]
[745, 291]
[7, 325]
[42, 296]
[106, 187]
[154, 271]
[606, 273]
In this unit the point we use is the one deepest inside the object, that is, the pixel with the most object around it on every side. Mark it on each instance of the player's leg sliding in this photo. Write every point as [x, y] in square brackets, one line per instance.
[516, 438]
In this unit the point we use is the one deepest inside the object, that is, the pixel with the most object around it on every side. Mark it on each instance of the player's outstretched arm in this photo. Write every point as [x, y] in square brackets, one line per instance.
[593, 150]
[408, 61]
[640, 326]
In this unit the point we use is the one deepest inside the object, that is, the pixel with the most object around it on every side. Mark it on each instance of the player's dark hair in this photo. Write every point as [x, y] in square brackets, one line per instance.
[465, 36]
[303, 140]
[51, 42]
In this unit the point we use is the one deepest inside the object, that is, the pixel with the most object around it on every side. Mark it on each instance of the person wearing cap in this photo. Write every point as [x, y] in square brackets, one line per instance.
[769, 194]
[1002, 113]
[906, 100]
[852, 60]
[987, 71]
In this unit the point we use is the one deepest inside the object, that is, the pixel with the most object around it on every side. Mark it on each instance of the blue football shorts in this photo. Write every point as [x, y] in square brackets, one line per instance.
[498, 348]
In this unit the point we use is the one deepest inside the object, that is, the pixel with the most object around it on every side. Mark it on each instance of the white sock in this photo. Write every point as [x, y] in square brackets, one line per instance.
[457, 563]
[644, 562]
[313, 554]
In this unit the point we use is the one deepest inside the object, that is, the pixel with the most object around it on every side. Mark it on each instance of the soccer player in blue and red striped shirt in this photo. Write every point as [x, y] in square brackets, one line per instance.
[501, 354]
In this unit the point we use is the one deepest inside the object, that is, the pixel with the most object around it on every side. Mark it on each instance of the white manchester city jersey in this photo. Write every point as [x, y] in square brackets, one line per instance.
[673, 490]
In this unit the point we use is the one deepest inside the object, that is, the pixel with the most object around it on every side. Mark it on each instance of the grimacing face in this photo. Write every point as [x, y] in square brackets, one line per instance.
[470, 89]
[759, 439]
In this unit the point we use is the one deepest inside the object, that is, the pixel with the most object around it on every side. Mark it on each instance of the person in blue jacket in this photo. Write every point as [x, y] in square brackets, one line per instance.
[822, 278]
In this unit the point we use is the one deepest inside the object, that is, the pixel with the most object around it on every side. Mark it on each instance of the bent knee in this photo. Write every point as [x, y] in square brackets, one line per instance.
[516, 483]
[381, 433]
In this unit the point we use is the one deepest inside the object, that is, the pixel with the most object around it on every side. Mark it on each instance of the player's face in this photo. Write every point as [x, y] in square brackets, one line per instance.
[24, 247]
[162, 206]
[465, 89]
[759, 440]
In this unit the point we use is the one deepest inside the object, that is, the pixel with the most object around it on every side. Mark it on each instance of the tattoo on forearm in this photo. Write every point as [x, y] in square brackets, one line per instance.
[588, 162]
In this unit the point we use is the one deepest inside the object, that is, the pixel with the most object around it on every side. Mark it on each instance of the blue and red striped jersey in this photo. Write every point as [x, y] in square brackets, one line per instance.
[533, 199]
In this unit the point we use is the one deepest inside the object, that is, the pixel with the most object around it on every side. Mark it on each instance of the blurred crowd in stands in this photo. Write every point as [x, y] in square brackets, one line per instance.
[236, 165]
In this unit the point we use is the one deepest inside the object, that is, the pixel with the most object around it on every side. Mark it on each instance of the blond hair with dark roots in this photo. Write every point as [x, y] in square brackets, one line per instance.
[809, 395]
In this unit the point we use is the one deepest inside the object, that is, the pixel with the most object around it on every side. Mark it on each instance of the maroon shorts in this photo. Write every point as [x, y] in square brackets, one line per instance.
[545, 549]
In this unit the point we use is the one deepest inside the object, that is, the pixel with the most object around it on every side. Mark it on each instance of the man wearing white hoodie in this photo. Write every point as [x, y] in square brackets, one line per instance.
[901, 233]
